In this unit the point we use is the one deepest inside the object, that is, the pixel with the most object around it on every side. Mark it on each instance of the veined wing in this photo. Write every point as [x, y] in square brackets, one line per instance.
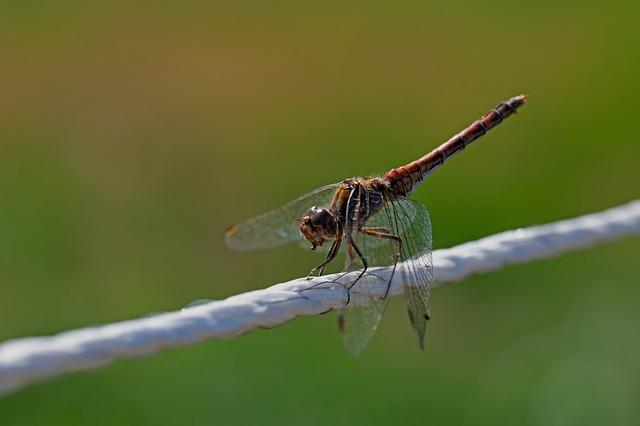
[408, 220]
[413, 224]
[369, 295]
[279, 226]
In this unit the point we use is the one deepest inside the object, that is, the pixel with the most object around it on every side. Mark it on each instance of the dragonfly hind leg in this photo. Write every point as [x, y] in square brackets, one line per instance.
[385, 233]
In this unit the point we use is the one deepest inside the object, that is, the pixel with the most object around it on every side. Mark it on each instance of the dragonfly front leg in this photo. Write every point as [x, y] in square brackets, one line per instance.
[333, 251]
[385, 233]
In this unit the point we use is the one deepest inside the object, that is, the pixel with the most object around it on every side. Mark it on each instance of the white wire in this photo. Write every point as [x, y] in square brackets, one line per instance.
[27, 360]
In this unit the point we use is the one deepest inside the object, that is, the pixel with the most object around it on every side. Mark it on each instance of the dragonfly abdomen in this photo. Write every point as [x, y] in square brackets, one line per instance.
[405, 179]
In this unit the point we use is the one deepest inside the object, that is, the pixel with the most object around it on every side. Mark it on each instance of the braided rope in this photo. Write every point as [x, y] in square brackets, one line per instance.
[28, 360]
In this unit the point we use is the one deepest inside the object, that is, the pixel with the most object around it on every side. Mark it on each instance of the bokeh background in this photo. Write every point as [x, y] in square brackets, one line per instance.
[131, 136]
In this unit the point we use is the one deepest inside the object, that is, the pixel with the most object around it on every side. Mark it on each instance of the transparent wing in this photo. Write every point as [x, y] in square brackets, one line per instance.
[369, 295]
[413, 224]
[279, 226]
[358, 322]
[408, 220]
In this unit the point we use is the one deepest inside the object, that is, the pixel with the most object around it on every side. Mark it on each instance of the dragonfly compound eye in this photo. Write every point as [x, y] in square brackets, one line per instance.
[318, 226]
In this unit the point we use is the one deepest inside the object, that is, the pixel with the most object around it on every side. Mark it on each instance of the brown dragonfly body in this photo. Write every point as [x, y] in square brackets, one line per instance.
[405, 179]
[378, 225]
[322, 225]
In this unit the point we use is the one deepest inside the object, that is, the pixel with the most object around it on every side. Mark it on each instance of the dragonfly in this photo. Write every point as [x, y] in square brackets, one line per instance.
[376, 223]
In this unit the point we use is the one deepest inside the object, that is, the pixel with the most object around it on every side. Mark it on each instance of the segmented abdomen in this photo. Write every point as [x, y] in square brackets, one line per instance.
[405, 179]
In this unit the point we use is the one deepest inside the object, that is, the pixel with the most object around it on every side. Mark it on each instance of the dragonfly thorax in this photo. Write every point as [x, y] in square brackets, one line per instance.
[319, 226]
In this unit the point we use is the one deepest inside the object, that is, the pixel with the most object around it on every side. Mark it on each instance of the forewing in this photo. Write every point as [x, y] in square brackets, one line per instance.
[279, 226]
[413, 225]
[369, 295]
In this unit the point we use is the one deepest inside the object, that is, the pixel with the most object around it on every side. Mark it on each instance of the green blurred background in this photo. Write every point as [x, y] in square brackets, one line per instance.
[131, 136]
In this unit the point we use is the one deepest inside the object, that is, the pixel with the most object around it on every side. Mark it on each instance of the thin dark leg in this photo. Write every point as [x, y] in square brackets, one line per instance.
[352, 245]
[384, 233]
[333, 251]
[335, 248]
[365, 265]
[351, 256]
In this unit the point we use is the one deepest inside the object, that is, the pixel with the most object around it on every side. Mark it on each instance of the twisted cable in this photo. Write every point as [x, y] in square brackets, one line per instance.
[28, 360]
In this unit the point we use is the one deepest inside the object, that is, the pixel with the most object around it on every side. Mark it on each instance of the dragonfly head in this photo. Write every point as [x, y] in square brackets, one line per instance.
[318, 226]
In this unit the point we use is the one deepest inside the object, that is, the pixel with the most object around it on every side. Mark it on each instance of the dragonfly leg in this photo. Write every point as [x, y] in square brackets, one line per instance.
[351, 255]
[365, 265]
[385, 233]
[351, 244]
[333, 251]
